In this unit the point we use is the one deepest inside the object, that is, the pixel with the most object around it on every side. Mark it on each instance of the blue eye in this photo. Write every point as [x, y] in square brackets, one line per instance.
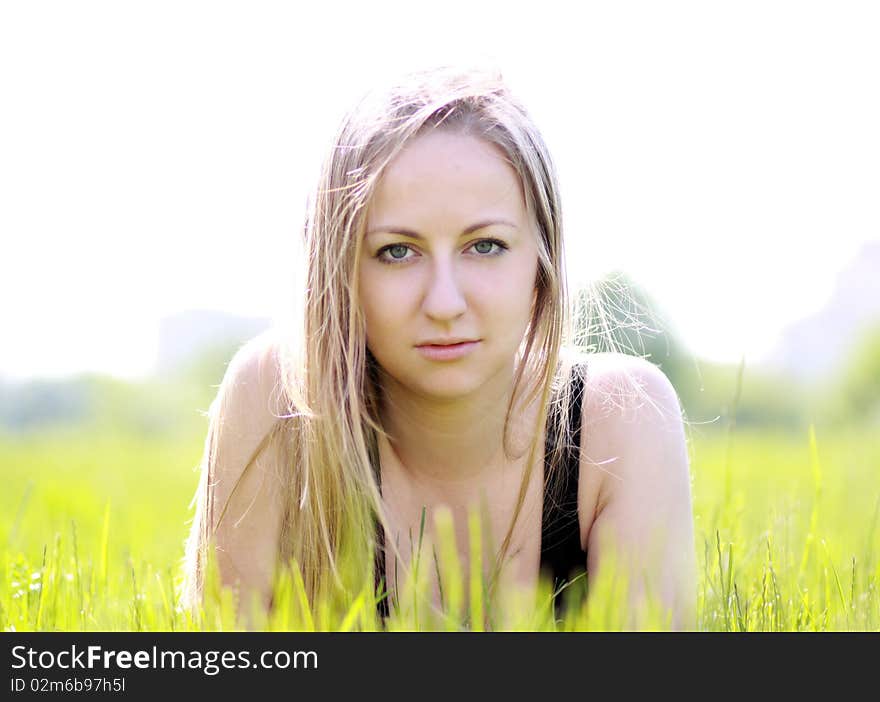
[396, 253]
[484, 247]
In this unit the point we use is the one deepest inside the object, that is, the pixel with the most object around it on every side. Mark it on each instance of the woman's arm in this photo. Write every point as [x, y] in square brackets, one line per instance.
[239, 502]
[634, 434]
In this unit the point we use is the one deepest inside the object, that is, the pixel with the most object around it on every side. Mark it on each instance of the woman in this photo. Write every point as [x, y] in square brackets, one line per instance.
[433, 369]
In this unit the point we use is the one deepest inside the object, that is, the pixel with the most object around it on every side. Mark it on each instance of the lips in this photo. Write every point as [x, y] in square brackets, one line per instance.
[447, 342]
[447, 352]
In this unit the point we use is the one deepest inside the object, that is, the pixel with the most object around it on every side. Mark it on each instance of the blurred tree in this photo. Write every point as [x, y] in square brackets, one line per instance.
[856, 396]
[44, 402]
[615, 314]
[173, 402]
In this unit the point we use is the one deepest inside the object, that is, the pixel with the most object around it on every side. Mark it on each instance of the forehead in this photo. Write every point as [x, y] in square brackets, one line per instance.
[448, 172]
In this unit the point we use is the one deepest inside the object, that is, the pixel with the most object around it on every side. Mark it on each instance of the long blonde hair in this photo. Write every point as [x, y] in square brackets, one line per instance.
[324, 443]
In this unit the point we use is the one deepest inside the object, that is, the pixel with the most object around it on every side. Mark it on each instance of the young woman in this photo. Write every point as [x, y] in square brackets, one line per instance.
[434, 368]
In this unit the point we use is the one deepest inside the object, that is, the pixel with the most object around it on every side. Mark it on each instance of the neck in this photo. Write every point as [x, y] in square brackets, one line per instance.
[452, 443]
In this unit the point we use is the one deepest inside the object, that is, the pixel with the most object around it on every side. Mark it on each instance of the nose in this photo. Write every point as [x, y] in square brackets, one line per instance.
[445, 298]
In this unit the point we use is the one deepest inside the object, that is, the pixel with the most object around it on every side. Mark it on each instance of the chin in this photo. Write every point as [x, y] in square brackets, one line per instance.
[449, 387]
[452, 381]
[444, 380]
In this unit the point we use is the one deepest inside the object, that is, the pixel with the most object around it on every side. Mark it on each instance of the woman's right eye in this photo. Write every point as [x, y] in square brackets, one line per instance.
[396, 253]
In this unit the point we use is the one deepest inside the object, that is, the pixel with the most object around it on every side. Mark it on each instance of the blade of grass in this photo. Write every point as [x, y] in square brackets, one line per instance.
[105, 541]
[476, 572]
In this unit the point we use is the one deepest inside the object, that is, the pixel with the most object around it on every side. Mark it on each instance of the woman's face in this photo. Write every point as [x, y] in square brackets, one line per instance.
[449, 253]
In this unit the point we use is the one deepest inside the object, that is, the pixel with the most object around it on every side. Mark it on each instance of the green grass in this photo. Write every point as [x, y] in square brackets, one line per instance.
[92, 525]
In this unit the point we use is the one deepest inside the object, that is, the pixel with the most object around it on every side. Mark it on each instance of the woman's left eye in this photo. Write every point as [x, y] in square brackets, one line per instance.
[484, 247]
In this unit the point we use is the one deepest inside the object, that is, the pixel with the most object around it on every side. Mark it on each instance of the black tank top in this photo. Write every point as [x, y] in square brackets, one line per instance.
[562, 557]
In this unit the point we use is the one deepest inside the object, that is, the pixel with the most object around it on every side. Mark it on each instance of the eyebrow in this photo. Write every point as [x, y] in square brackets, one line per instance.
[415, 235]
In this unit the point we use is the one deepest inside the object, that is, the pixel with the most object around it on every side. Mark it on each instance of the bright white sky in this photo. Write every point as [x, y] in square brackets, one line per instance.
[155, 156]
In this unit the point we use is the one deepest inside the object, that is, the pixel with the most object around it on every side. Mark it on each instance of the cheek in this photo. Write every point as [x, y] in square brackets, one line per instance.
[512, 294]
[382, 305]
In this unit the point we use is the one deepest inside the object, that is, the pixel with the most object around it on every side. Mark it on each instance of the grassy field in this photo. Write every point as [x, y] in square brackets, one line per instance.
[92, 525]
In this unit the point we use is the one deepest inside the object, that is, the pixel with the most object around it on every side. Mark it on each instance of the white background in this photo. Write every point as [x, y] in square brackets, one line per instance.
[155, 156]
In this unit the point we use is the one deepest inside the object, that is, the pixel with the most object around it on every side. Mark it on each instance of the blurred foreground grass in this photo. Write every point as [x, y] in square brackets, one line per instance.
[92, 525]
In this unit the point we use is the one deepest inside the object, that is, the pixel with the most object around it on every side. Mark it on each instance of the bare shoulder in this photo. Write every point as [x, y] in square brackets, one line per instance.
[252, 381]
[620, 387]
[636, 479]
[630, 412]
[245, 410]
[246, 464]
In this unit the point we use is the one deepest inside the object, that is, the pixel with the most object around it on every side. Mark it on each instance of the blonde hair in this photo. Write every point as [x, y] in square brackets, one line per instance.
[324, 442]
